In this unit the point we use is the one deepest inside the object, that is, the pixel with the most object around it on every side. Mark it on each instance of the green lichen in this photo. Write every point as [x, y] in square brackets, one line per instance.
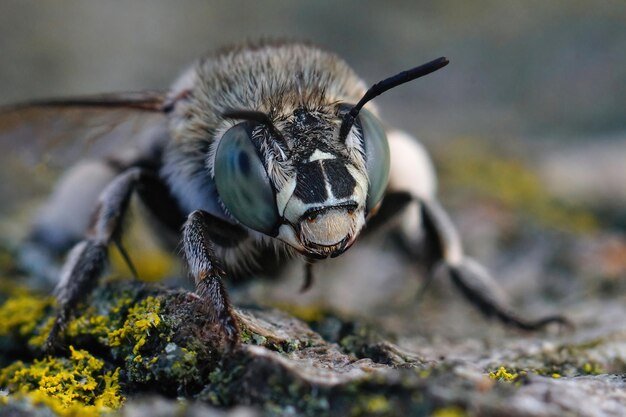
[76, 386]
[134, 331]
[141, 339]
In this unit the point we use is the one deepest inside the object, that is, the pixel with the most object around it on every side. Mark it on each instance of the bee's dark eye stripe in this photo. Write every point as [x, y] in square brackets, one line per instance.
[256, 116]
[342, 183]
[311, 183]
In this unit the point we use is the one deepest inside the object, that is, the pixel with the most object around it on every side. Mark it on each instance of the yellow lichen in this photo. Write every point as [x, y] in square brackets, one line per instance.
[89, 323]
[449, 412]
[308, 313]
[121, 304]
[74, 386]
[591, 368]
[22, 313]
[378, 404]
[81, 384]
[136, 329]
[41, 334]
[503, 375]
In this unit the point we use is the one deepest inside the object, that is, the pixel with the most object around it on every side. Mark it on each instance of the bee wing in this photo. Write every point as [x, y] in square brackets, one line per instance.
[54, 131]
[40, 140]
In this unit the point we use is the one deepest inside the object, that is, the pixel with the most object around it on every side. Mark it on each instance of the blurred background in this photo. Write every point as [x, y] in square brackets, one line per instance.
[527, 124]
[530, 68]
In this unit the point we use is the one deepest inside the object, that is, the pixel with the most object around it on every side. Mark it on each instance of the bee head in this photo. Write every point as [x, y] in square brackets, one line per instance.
[307, 175]
[292, 177]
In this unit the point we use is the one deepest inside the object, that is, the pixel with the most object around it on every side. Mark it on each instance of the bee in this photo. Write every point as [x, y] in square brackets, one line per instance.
[267, 150]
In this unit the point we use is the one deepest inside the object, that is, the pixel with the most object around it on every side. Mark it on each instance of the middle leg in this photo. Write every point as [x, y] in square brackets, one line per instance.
[88, 259]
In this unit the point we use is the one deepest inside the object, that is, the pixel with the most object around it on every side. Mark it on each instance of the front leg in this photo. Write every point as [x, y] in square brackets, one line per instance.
[199, 235]
[428, 230]
[472, 279]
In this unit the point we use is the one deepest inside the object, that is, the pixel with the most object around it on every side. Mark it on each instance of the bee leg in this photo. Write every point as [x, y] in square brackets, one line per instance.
[54, 233]
[84, 264]
[472, 279]
[309, 277]
[393, 204]
[87, 260]
[428, 232]
[199, 236]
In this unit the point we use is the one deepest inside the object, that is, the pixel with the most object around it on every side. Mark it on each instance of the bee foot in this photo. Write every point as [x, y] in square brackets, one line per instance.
[230, 329]
[54, 343]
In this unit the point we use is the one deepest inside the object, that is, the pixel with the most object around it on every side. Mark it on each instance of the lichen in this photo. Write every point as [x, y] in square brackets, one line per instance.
[131, 339]
[307, 313]
[378, 404]
[510, 182]
[76, 386]
[516, 376]
[89, 323]
[566, 360]
[141, 319]
[502, 374]
[22, 313]
[592, 368]
[122, 319]
[452, 411]
[41, 334]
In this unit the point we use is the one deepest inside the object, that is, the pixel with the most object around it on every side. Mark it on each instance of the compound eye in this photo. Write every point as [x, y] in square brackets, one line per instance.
[377, 156]
[242, 181]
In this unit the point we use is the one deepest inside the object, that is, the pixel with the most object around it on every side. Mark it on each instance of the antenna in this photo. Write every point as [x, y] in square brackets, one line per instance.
[385, 85]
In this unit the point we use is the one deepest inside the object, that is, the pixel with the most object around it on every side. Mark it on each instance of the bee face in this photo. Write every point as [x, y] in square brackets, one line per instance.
[322, 204]
[308, 188]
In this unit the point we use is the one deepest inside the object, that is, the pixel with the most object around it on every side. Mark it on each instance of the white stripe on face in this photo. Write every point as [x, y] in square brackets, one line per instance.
[319, 155]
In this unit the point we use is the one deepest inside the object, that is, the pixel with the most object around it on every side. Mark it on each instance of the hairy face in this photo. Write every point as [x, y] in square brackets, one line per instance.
[294, 178]
[323, 201]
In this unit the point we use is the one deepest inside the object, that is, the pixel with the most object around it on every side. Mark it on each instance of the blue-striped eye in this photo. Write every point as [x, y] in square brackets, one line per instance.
[377, 156]
[242, 181]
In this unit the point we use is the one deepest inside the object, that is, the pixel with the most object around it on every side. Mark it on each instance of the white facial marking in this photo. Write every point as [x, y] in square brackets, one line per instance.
[282, 198]
[287, 235]
[360, 190]
[318, 155]
[328, 228]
